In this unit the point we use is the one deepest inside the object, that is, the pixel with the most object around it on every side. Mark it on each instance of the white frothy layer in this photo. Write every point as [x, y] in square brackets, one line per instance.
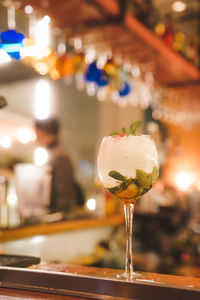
[125, 155]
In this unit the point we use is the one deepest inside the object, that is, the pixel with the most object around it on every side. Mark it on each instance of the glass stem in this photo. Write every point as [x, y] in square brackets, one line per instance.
[128, 212]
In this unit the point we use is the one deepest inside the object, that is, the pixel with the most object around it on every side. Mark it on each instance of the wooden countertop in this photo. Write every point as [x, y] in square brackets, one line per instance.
[49, 228]
[14, 294]
[48, 281]
[170, 280]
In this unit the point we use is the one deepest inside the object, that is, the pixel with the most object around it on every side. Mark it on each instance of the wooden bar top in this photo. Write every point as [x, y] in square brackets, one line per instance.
[48, 281]
[170, 280]
[14, 294]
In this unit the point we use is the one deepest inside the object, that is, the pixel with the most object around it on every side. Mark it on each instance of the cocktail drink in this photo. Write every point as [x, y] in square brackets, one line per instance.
[128, 168]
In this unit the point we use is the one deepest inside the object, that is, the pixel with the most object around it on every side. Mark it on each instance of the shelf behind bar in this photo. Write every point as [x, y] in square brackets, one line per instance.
[49, 228]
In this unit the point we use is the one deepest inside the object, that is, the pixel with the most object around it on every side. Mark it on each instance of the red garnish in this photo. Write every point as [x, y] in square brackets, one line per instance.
[120, 135]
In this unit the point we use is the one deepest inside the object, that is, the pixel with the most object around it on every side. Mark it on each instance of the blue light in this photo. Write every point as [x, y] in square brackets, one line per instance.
[11, 37]
[93, 74]
[10, 48]
[125, 90]
[11, 42]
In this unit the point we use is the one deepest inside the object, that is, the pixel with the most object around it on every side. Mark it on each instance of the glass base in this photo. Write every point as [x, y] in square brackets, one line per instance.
[135, 276]
[129, 276]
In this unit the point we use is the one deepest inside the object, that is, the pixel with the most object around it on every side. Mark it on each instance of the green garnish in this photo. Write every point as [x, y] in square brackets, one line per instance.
[154, 174]
[115, 133]
[144, 179]
[134, 127]
[130, 188]
[116, 175]
[131, 131]
[124, 130]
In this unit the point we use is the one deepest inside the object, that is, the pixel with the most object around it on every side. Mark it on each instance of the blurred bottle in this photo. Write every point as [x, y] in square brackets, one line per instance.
[3, 202]
[12, 204]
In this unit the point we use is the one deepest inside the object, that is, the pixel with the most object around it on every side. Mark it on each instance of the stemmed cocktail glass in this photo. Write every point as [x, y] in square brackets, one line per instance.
[128, 167]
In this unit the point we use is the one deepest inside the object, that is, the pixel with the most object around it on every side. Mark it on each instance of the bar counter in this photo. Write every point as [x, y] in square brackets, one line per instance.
[57, 281]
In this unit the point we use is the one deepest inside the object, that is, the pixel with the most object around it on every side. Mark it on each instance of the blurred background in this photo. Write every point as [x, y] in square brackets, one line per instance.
[96, 66]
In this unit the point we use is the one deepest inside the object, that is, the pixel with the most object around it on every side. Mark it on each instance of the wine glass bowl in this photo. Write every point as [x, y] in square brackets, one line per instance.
[128, 167]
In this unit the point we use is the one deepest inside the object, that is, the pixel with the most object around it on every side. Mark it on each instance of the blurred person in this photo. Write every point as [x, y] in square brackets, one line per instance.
[66, 193]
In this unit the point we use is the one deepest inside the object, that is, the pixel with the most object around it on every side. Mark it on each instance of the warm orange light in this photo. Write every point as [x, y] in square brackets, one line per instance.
[160, 28]
[184, 180]
[41, 68]
[198, 185]
[54, 74]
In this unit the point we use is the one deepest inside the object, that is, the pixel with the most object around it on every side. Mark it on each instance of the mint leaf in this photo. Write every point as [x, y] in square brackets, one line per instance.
[116, 175]
[132, 129]
[124, 130]
[143, 178]
[115, 133]
[134, 126]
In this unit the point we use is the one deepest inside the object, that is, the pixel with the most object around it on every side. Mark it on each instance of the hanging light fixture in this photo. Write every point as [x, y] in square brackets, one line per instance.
[11, 41]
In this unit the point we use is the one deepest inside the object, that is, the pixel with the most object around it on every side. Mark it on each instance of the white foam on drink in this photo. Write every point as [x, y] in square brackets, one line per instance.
[125, 155]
